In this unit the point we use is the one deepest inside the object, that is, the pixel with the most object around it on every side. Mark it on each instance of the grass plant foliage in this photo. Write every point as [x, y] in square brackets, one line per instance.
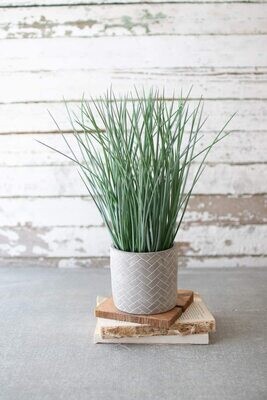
[140, 158]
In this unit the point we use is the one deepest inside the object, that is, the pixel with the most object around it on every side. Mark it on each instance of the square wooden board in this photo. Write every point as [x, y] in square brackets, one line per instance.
[107, 309]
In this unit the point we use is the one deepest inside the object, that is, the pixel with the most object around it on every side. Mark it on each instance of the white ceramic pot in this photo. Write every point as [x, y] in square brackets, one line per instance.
[144, 283]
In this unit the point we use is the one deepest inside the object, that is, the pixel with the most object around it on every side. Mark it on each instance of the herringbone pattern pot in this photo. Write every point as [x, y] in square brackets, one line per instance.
[144, 283]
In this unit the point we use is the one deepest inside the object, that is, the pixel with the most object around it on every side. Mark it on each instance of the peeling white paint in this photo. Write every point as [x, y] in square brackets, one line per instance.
[23, 150]
[148, 19]
[212, 83]
[9, 235]
[170, 45]
[133, 51]
[197, 241]
[65, 180]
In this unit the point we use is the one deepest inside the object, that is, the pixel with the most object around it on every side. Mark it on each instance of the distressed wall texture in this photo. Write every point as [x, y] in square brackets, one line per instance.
[55, 48]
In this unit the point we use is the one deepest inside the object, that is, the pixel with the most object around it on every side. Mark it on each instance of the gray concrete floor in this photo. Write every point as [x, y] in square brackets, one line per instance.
[46, 348]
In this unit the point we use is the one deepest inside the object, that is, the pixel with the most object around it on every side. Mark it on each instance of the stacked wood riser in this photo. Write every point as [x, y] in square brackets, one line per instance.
[170, 44]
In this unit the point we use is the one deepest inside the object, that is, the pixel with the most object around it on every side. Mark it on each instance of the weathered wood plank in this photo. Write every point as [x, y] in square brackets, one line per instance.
[95, 242]
[34, 117]
[198, 262]
[150, 45]
[211, 83]
[144, 19]
[183, 261]
[64, 180]
[47, 212]
[24, 150]
[230, 210]
[75, 211]
[133, 52]
[16, 3]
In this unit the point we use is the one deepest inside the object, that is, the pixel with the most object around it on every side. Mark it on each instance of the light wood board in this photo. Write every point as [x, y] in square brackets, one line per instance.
[197, 319]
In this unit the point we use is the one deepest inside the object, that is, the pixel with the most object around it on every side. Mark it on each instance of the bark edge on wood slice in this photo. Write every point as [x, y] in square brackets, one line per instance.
[107, 309]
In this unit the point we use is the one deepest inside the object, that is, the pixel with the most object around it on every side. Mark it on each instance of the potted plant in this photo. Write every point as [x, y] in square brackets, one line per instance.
[137, 159]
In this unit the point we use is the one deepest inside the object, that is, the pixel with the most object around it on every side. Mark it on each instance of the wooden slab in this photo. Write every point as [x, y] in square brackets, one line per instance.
[184, 298]
[107, 309]
[197, 319]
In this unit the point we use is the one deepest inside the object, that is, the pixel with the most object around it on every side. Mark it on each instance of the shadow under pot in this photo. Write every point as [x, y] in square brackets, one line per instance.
[144, 283]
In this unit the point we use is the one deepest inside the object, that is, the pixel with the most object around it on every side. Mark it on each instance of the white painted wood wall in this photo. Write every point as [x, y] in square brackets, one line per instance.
[50, 49]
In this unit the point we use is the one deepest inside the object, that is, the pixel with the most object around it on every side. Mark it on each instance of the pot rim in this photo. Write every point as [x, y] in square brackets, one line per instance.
[113, 248]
